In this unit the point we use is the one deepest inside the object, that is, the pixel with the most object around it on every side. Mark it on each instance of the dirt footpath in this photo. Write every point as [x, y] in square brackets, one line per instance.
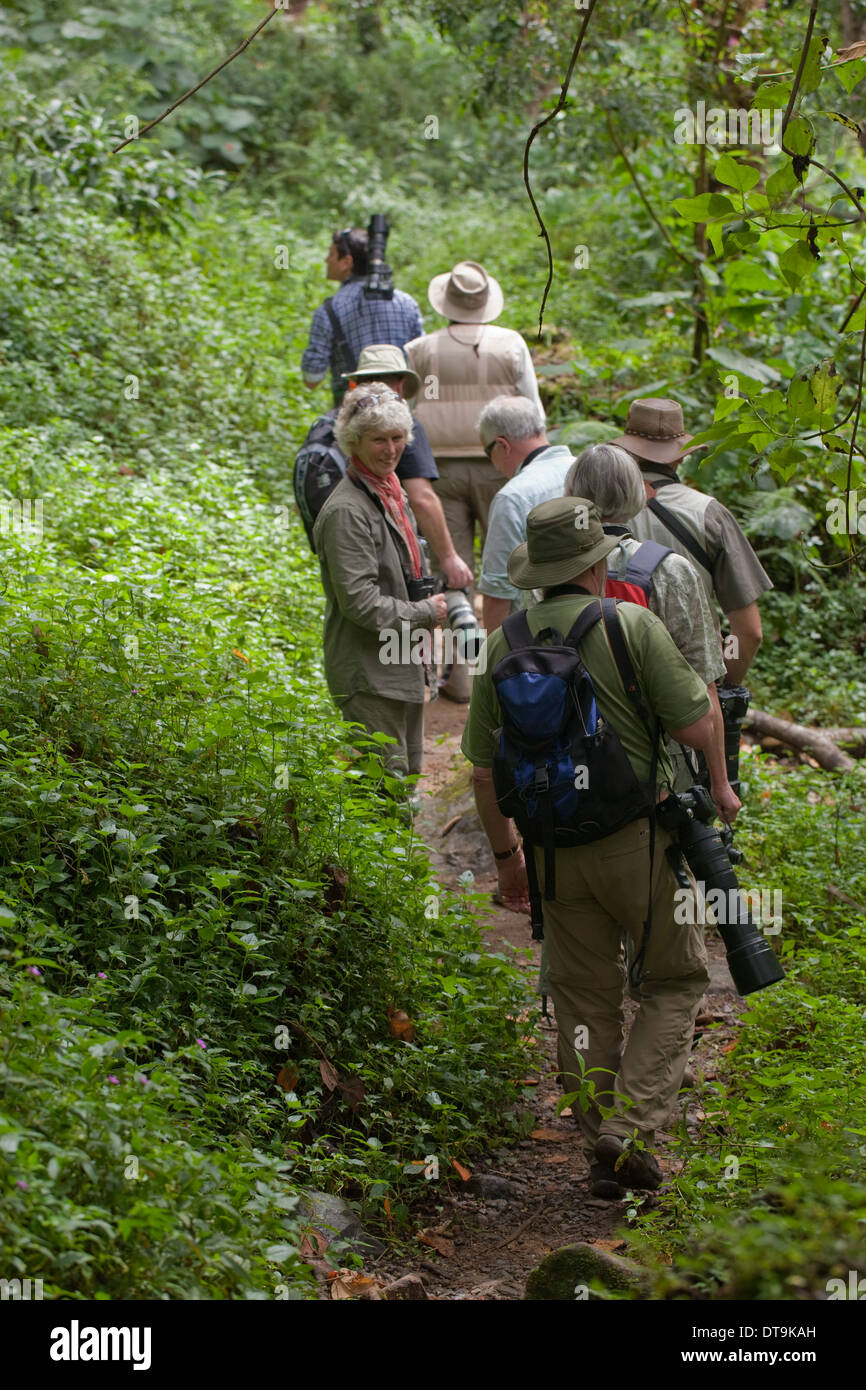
[483, 1245]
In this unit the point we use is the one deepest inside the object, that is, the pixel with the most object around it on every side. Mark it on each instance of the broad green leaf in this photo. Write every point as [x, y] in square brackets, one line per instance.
[797, 262]
[800, 398]
[726, 405]
[735, 174]
[772, 96]
[783, 182]
[745, 275]
[849, 74]
[825, 388]
[800, 136]
[785, 461]
[706, 207]
[810, 78]
[747, 366]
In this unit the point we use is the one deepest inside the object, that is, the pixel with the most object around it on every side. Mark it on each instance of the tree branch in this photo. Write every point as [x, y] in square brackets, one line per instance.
[197, 88]
[539, 125]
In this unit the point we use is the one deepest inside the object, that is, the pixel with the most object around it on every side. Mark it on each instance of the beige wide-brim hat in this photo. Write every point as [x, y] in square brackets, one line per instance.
[466, 294]
[564, 537]
[654, 431]
[384, 359]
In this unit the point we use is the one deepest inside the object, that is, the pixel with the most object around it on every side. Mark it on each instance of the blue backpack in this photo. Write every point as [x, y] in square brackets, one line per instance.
[560, 770]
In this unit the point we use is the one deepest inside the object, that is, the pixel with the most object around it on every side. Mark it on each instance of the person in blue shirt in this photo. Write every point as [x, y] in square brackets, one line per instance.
[335, 348]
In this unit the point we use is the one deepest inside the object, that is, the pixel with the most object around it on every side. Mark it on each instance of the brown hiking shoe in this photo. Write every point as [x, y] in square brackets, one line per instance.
[632, 1167]
[604, 1182]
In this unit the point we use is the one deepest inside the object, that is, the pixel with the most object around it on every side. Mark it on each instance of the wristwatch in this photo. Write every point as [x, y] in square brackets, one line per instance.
[507, 853]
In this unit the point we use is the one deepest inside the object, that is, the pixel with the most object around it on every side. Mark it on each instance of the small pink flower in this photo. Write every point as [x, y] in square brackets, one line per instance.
[33, 970]
[114, 1081]
[202, 1043]
[21, 1183]
[101, 975]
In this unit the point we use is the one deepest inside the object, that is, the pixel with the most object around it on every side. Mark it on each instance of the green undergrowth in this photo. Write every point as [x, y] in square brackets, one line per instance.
[770, 1198]
[201, 891]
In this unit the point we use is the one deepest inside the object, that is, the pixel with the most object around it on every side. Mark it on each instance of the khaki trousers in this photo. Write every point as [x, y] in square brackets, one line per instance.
[602, 889]
[400, 719]
[466, 487]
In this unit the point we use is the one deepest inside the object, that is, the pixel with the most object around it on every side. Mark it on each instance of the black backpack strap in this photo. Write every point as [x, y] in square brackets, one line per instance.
[629, 679]
[339, 336]
[682, 533]
[517, 631]
[644, 562]
[588, 618]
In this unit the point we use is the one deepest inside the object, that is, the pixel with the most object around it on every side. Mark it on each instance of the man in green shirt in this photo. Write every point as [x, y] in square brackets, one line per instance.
[603, 888]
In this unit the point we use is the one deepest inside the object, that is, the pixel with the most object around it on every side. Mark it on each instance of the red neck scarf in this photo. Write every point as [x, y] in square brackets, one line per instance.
[390, 494]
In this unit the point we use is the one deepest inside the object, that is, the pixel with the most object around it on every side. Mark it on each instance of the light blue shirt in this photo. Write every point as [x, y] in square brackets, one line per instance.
[539, 480]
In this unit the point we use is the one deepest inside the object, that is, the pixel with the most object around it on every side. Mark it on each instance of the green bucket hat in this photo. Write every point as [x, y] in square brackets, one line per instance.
[564, 537]
[384, 359]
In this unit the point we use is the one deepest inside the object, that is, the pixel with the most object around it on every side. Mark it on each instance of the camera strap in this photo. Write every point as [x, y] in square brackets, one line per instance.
[340, 340]
[677, 529]
[628, 676]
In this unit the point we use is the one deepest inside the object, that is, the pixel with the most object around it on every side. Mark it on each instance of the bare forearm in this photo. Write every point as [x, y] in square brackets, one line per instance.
[741, 647]
[500, 831]
[494, 612]
[714, 751]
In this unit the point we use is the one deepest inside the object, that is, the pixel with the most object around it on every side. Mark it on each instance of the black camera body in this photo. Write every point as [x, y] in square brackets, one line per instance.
[380, 277]
[688, 817]
[416, 589]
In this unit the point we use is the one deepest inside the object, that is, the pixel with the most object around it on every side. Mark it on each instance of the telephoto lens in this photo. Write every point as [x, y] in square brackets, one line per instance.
[463, 623]
[751, 960]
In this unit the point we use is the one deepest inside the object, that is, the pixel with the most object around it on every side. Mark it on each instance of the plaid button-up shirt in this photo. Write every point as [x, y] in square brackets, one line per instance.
[364, 321]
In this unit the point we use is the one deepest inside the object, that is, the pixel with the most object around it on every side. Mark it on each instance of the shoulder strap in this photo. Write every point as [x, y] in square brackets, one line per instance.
[645, 561]
[627, 673]
[588, 618]
[517, 631]
[681, 532]
[339, 336]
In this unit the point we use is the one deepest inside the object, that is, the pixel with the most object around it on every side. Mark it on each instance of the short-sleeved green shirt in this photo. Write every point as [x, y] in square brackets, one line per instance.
[672, 690]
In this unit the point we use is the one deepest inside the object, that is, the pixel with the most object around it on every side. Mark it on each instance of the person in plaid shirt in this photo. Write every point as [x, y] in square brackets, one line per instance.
[362, 320]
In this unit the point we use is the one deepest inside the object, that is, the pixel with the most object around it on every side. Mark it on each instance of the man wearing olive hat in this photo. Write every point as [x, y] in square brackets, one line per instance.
[603, 888]
[696, 526]
[462, 367]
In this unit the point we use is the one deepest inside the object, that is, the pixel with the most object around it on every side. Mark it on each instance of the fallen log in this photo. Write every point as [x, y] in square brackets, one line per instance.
[818, 742]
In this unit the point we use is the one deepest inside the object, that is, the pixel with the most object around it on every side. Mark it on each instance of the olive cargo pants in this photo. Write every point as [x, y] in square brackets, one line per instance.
[602, 889]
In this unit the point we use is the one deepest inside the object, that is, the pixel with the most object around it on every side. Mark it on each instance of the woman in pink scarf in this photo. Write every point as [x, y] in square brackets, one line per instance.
[379, 610]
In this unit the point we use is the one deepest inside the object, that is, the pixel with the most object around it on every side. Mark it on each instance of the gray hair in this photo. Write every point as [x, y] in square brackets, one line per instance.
[610, 478]
[370, 407]
[512, 417]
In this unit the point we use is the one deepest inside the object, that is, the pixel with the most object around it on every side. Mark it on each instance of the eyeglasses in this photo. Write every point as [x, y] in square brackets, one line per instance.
[363, 401]
[488, 449]
[341, 240]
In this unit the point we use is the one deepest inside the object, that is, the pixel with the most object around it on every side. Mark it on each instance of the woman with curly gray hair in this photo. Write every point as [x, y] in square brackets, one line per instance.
[371, 563]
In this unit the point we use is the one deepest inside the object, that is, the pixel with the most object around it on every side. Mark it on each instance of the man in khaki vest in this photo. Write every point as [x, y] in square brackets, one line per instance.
[462, 367]
[697, 527]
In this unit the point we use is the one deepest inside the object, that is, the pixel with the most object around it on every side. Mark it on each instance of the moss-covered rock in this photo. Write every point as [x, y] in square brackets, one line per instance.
[568, 1274]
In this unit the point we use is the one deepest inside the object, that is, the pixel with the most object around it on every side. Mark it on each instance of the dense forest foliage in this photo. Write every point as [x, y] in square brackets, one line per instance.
[206, 917]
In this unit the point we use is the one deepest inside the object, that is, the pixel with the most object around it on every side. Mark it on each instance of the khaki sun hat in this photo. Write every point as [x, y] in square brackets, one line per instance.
[384, 359]
[564, 537]
[466, 294]
[654, 430]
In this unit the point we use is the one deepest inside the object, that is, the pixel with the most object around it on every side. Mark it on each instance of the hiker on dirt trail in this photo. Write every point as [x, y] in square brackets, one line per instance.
[417, 468]
[348, 321]
[372, 567]
[620, 881]
[463, 366]
[514, 438]
[697, 527]
[610, 478]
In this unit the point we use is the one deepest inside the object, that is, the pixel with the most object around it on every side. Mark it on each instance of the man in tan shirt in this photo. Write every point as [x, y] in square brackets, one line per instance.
[462, 367]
